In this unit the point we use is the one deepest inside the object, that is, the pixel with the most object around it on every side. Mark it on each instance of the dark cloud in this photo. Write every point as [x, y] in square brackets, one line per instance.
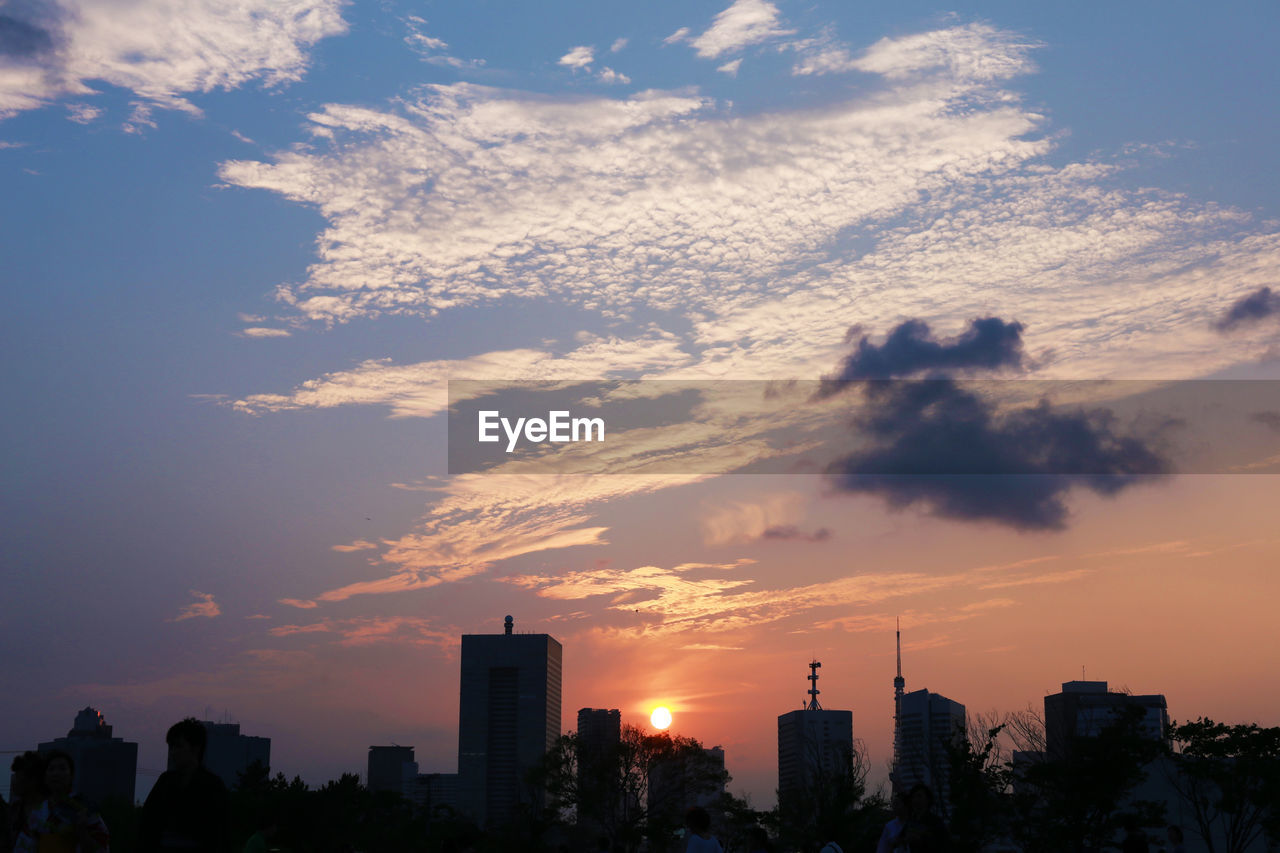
[988, 344]
[22, 39]
[933, 443]
[1267, 419]
[29, 29]
[1260, 304]
[790, 532]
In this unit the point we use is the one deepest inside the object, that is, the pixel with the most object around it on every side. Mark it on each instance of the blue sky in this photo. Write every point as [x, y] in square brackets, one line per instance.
[244, 249]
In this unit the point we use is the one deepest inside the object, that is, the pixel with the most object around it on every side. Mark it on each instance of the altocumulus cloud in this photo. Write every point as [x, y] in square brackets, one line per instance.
[161, 50]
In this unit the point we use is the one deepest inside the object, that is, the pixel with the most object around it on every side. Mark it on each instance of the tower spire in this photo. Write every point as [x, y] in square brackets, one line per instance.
[812, 704]
[899, 684]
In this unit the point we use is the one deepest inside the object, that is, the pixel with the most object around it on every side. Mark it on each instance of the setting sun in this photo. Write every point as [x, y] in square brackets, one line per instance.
[661, 717]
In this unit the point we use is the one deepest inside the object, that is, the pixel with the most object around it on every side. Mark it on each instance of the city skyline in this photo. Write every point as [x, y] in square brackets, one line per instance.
[251, 252]
[917, 766]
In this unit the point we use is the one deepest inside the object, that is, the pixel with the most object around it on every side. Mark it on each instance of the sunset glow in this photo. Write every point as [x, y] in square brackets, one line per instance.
[828, 317]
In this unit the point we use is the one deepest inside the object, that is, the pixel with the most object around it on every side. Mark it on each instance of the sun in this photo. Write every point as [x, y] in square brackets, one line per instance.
[661, 717]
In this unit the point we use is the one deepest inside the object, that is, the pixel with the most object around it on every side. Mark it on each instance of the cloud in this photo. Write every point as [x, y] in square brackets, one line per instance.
[935, 444]
[377, 630]
[358, 545]
[22, 39]
[421, 390]
[139, 118]
[1259, 305]
[264, 332]
[761, 231]
[790, 532]
[988, 344]
[743, 24]
[608, 75]
[161, 50]
[204, 607]
[578, 57]
[618, 44]
[731, 68]
[83, 113]
[1271, 420]
[678, 36]
[974, 53]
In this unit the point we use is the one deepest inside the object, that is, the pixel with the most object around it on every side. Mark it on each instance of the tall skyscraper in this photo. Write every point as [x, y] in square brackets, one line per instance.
[105, 765]
[392, 768]
[926, 727]
[228, 753]
[813, 744]
[1085, 708]
[509, 716]
[598, 728]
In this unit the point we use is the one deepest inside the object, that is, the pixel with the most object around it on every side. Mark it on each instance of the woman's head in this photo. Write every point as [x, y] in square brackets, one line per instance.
[59, 773]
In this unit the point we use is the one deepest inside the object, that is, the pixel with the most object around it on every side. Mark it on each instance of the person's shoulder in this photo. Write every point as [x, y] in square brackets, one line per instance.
[209, 779]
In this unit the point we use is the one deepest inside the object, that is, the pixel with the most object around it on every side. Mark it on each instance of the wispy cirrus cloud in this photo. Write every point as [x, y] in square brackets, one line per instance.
[161, 50]
[744, 23]
[373, 630]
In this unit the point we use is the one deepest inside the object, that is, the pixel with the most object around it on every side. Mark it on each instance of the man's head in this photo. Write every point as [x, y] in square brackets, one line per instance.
[186, 740]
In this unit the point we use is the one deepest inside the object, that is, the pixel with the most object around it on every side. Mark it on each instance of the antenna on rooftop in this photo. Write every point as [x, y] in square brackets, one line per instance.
[813, 687]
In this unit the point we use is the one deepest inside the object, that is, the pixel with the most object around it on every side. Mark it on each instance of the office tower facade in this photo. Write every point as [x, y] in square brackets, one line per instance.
[509, 717]
[392, 768]
[227, 753]
[599, 729]
[1084, 708]
[927, 727]
[814, 745]
[106, 766]
[930, 726]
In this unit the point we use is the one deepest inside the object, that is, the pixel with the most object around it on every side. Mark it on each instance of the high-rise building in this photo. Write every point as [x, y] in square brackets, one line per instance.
[927, 727]
[813, 745]
[599, 729]
[106, 766]
[392, 768]
[509, 717]
[1085, 708]
[227, 753]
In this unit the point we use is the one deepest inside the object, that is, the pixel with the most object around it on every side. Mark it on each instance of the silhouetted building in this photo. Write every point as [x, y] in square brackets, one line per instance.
[1084, 708]
[814, 746]
[509, 717]
[392, 768]
[227, 753]
[927, 726]
[432, 790]
[599, 729]
[105, 766]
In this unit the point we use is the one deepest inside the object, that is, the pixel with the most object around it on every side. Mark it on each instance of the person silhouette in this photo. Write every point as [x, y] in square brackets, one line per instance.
[189, 808]
[62, 821]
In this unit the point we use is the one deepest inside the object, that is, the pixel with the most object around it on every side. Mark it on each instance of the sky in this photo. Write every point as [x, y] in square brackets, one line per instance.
[246, 247]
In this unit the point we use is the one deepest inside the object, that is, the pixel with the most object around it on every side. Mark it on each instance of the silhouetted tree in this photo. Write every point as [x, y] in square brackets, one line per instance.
[979, 779]
[1078, 801]
[1229, 779]
[833, 805]
[631, 791]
